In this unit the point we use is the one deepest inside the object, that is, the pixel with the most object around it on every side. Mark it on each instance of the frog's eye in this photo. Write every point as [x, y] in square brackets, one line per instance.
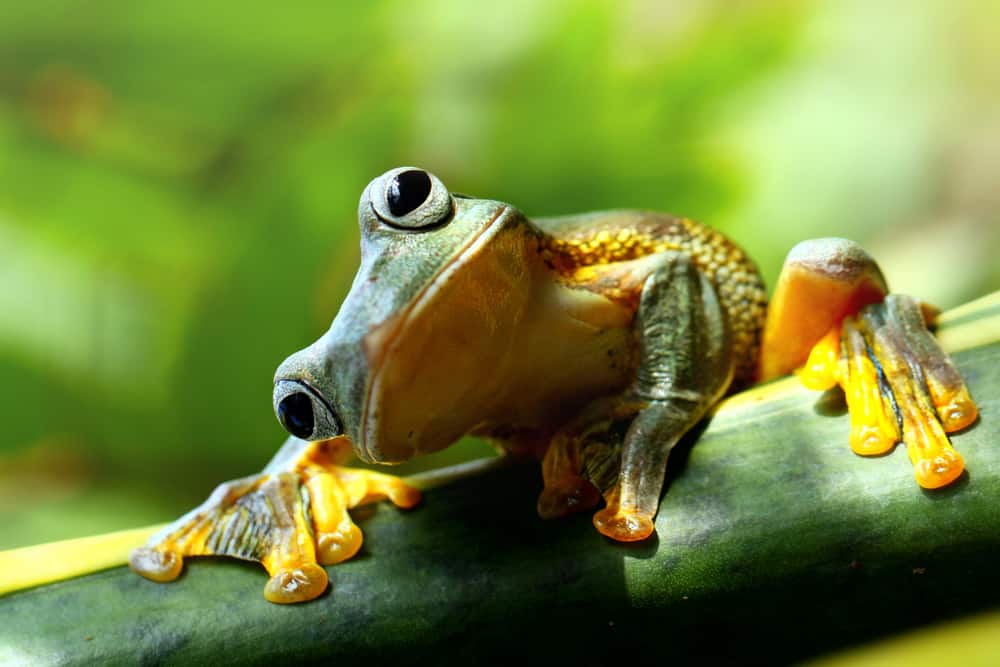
[410, 198]
[304, 411]
[407, 191]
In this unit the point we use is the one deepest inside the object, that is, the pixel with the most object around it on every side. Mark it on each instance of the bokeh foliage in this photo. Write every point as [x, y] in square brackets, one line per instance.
[178, 184]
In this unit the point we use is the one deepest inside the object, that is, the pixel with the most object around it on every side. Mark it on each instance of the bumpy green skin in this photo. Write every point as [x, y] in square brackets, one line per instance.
[775, 544]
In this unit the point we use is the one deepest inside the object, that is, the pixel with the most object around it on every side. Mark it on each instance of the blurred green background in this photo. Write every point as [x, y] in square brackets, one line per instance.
[178, 186]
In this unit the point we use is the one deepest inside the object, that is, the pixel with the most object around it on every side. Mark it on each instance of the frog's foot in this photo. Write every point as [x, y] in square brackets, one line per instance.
[584, 458]
[566, 491]
[290, 521]
[899, 386]
[567, 496]
[622, 524]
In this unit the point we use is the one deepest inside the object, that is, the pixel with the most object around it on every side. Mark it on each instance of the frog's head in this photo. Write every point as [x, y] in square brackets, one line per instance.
[405, 368]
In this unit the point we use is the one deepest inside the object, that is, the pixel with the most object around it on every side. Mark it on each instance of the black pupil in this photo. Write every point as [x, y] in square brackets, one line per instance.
[407, 191]
[296, 414]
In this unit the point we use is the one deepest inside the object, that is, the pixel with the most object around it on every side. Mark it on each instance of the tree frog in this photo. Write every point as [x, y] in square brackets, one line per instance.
[592, 342]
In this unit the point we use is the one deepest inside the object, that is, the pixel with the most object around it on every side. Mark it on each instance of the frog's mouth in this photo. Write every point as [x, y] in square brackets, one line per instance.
[384, 340]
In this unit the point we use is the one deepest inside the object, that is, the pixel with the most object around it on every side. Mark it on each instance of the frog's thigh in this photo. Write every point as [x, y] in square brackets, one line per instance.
[822, 281]
[685, 365]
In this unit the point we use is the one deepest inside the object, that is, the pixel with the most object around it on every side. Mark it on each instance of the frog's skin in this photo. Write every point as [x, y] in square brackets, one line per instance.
[593, 342]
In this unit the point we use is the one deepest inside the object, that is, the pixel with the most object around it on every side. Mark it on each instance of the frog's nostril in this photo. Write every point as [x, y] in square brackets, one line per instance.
[295, 412]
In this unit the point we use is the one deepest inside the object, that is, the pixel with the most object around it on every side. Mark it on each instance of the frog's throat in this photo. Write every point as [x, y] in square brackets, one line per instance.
[389, 338]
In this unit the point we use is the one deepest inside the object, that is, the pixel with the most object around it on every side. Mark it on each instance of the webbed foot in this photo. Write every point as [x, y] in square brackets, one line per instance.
[567, 496]
[568, 486]
[899, 386]
[291, 521]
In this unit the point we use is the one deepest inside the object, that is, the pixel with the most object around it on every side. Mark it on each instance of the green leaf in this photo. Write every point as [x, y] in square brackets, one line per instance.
[775, 543]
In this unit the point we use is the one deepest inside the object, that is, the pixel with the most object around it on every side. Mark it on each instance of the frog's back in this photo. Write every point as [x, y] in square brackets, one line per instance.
[571, 243]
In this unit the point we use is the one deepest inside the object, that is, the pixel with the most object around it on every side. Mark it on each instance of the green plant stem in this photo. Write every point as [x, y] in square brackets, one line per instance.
[774, 543]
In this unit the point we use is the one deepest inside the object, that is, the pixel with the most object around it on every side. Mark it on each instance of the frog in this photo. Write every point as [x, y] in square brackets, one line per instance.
[591, 343]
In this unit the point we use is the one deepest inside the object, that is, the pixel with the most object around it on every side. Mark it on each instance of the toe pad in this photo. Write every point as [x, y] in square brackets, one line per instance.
[155, 565]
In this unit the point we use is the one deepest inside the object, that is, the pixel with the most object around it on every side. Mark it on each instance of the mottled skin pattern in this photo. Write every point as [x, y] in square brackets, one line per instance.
[594, 342]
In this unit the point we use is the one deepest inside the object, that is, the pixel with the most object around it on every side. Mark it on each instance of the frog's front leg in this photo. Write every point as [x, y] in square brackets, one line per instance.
[685, 364]
[291, 518]
[831, 310]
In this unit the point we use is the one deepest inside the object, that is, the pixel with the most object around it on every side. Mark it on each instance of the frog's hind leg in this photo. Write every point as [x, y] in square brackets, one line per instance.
[291, 518]
[898, 383]
[685, 364]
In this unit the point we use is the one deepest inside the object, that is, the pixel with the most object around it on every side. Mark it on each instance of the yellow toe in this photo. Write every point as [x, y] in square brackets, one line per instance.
[297, 584]
[156, 564]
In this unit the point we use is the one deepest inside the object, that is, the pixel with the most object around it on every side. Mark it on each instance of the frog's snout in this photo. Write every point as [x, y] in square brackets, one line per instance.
[304, 412]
